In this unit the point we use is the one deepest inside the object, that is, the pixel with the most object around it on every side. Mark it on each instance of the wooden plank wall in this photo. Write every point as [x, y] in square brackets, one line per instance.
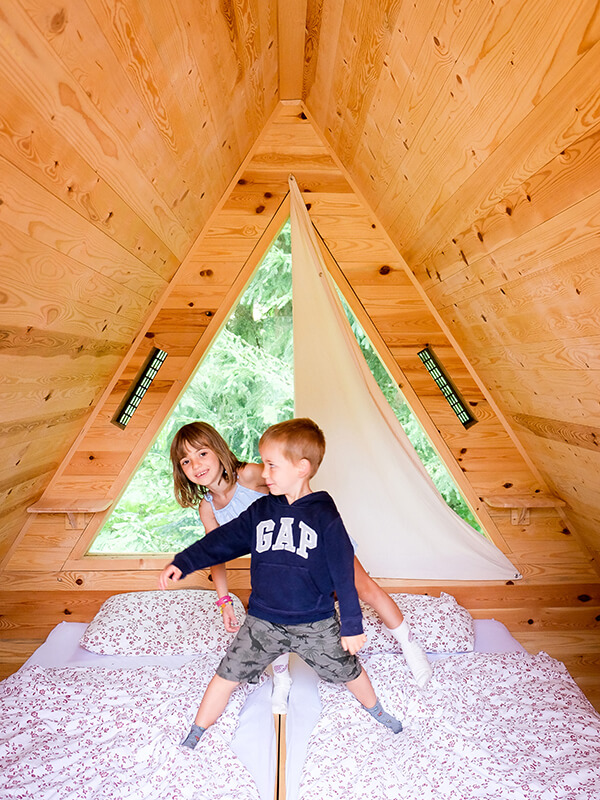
[47, 571]
[121, 126]
[472, 131]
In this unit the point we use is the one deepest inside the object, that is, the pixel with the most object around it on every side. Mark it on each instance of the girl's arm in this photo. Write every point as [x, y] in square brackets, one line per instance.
[251, 476]
[219, 571]
[339, 555]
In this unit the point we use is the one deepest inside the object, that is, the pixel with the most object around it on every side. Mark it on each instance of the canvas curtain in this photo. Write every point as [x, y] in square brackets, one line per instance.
[403, 527]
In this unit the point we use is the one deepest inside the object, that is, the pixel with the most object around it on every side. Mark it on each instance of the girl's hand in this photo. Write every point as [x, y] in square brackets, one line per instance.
[352, 644]
[170, 572]
[229, 619]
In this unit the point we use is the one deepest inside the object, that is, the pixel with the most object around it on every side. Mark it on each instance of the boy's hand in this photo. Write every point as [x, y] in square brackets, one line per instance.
[352, 644]
[229, 619]
[170, 572]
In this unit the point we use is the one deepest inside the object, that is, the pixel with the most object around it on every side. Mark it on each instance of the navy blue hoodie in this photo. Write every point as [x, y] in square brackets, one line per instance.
[301, 555]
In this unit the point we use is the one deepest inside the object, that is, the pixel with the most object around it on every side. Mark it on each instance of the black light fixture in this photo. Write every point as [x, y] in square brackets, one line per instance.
[436, 371]
[132, 400]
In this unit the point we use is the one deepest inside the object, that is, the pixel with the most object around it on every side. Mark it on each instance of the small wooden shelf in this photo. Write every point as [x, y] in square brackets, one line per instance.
[520, 504]
[60, 505]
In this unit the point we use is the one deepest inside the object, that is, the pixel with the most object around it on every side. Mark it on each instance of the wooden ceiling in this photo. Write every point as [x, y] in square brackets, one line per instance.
[451, 151]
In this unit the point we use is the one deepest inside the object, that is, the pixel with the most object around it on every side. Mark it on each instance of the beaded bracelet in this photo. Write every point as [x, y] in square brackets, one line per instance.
[223, 601]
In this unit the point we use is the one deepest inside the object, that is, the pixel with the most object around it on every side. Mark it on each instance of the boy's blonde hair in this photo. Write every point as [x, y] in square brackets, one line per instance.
[300, 438]
[199, 435]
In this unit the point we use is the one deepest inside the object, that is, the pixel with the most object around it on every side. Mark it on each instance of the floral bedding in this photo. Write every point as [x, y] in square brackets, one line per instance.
[177, 622]
[509, 727]
[439, 624]
[80, 733]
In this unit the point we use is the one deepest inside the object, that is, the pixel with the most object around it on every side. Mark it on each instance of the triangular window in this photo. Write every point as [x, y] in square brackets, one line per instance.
[243, 385]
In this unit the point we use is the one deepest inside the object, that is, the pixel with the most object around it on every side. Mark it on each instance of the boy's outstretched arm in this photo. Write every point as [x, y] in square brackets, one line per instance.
[352, 644]
[231, 540]
[170, 572]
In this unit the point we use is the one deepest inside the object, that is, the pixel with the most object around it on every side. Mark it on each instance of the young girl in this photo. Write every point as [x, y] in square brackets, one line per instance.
[208, 475]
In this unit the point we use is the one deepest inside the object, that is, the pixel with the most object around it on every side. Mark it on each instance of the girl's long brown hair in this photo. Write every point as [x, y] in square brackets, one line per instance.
[198, 435]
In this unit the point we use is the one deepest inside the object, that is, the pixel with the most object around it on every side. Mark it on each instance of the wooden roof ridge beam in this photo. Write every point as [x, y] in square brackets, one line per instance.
[291, 32]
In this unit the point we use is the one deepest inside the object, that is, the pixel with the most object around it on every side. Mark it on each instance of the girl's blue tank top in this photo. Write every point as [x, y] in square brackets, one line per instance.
[242, 498]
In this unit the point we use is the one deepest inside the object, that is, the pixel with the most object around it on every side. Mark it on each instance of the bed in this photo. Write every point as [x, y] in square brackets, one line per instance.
[494, 721]
[99, 710]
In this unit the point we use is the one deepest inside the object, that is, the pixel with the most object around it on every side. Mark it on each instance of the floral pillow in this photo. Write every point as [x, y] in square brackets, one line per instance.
[439, 624]
[176, 622]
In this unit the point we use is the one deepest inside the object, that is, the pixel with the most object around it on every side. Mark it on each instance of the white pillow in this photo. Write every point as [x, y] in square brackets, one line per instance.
[439, 624]
[176, 622]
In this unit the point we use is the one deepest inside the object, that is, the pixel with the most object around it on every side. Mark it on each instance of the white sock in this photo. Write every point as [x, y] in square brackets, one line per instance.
[413, 653]
[281, 684]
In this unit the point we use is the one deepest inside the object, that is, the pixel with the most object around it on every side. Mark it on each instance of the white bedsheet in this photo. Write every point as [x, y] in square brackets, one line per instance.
[73, 732]
[503, 726]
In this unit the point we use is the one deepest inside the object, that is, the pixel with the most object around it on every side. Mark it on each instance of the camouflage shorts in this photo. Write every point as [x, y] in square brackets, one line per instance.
[259, 642]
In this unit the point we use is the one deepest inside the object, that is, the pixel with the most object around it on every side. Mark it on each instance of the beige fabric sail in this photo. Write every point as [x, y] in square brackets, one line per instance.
[403, 527]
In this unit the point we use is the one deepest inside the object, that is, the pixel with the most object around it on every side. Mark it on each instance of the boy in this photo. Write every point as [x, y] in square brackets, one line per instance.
[301, 555]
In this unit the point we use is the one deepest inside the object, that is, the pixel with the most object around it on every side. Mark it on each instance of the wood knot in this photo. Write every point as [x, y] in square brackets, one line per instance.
[58, 21]
[385, 270]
